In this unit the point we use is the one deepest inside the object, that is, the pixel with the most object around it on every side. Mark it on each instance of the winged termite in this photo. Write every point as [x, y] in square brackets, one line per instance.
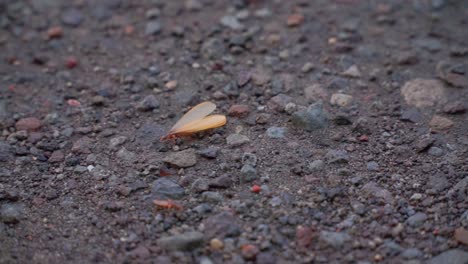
[167, 204]
[196, 120]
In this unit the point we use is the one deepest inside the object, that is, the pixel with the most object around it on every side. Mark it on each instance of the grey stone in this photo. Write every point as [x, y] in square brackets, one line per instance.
[184, 242]
[464, 217]
[223, 181]
[149, 133]
[277, 86]
[358, 208]
[212, 197]
[153, 13]
[237, 40]
[307, 67]
[209, 153]
[205, 260]
[101, 12]
[406, 58]
[372, 166]
[213, 48]
[315, 92]
[424, 92]
[435, 151]
[182, 159]
[276, 201]
[279, 102]
[193, 5]
[231, 89]
[4, 113]
[335, 239]
[148, 103]
[460, 188]
[452, 74]
[117, 141]
[80, 169]
[438, 4]
[412, 115]
[362, 126]
[315, 117]
[11, 213]
[452, 256]
[455, 107]
[248, 173]
[72, 17]
[341, 100]
[276, 132]
[249, 159]
[6, 152]
[392, 247]
[337, 157]
[82, 145]
[412, 253]
[99, 172]
[264, 12]
[429, 44]
[200, 185]
[373, 190]
[164, 188]
[222, 225]
[231, 22]
[424, 143]
[316, 165]
[352, 72]
[235, 140]
[438, 182]
[126, 155]
[203, 208]
[153, 28]
[417, 219]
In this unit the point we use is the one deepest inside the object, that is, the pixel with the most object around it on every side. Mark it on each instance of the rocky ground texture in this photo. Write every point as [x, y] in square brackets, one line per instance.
[346, 140]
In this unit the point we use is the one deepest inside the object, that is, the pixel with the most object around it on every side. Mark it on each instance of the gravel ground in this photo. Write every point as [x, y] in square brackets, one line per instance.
[346, 139]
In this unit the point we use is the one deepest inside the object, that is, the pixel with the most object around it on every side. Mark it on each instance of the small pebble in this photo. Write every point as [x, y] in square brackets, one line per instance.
[307, 67]
[216, 244]
[276, 132]
[235, 140]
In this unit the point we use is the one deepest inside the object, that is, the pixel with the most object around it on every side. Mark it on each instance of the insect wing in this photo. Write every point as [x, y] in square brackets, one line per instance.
[196, 113]
[208, 122]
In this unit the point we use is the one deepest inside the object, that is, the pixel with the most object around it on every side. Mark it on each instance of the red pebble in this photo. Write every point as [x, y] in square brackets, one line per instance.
[238, 110]
[249, 252]
[304, 236]
[364, 138]
[73, 102]
[28, 124]
[71, 62]
[55, 32]
[128, 30]
[165, 171]
[256, 189]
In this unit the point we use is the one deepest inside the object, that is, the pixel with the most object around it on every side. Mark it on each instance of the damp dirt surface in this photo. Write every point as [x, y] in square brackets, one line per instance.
[346, 138]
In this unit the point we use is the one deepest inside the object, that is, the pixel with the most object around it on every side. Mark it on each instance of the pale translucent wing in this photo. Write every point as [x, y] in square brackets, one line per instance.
[196, 113]
[208, 122]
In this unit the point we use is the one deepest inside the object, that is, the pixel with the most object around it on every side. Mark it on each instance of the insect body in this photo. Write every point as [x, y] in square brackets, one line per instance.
[196, 120]
[167, 204]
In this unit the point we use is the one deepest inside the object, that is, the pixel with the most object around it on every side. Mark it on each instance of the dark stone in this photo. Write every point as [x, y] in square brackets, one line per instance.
[222, 225]
[72, 17]
[6, 152]
[164, 188]
[411, 115]
[185, 242]
[223, 181]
